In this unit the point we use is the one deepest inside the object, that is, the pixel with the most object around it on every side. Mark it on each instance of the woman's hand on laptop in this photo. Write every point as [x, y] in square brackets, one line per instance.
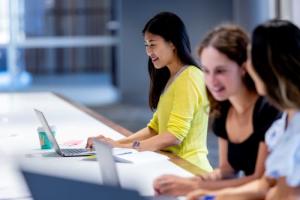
[109, 141]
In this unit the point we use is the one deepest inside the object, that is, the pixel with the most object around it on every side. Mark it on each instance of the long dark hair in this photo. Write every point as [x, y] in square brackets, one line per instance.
[232, 41]
[275, 56]
[171, 28]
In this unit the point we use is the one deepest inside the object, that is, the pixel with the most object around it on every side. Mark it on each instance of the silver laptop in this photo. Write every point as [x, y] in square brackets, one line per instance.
[58, 150]
[108, 168]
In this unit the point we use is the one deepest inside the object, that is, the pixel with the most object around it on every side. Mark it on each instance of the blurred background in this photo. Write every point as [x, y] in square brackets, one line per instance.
[92, 51]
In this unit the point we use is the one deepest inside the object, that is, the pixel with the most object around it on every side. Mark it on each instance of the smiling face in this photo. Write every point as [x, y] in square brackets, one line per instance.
[161, 52]
[223, 77]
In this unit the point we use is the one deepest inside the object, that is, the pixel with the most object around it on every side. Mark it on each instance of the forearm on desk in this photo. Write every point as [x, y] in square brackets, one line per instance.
[227, 171]
[256, 189]
[150, 140]
[225, 183]
[142, 134]
[158, 142]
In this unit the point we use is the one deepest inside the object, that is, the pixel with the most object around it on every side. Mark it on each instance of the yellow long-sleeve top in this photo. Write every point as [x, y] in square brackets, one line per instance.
[183, 111]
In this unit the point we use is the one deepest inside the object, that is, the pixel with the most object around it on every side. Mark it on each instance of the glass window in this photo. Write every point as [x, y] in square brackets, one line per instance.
[4, 22]
[65, 18]
[295, 11]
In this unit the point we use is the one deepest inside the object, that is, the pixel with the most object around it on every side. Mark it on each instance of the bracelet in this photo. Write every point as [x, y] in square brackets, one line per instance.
[136, 144]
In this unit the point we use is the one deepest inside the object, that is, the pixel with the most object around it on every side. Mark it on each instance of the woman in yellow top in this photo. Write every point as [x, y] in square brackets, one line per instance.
[177, 94]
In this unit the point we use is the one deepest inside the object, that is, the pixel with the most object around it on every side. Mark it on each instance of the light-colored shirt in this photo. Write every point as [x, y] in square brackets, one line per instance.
[183, 111]
[284, 145]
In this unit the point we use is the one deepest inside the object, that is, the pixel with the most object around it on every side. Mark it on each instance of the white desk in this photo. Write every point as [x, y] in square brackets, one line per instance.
[18, 135]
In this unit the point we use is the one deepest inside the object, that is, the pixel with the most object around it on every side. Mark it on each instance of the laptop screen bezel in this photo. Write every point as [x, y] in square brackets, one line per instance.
[46, 127]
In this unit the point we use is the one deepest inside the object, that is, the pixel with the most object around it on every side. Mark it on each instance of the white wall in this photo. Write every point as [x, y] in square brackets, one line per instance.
[249, 13]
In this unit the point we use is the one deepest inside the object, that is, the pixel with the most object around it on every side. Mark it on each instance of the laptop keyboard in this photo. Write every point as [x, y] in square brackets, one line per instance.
[74, 151]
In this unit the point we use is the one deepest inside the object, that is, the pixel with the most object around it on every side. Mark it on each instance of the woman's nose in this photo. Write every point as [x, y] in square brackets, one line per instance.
[211, 79]
[148, 51]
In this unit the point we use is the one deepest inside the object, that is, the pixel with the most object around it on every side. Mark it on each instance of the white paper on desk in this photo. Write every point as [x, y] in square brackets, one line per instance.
[139, 157]
[121, 151]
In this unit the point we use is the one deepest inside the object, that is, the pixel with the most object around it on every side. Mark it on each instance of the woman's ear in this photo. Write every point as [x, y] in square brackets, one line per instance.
[244, 68]
[172, 46]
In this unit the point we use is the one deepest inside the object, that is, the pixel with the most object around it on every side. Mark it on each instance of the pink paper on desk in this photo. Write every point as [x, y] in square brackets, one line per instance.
[73, 142]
